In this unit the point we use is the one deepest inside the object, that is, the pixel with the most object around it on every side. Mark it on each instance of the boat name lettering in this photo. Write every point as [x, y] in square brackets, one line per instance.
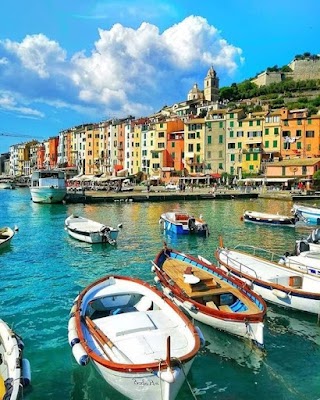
[145, 382]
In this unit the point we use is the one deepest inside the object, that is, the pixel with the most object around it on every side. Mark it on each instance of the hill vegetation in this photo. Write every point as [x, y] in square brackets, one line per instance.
[290, 93]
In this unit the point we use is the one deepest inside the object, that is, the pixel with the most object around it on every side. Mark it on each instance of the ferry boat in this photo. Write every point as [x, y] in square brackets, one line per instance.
[48, 186]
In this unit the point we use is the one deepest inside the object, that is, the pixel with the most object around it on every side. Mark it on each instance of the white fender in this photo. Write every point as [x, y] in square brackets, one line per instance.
[72, 323]
[279, 293]
[73, 337]
[80, 354]
[167, 292]
[169, 375]
[189, 306]
[156, 279]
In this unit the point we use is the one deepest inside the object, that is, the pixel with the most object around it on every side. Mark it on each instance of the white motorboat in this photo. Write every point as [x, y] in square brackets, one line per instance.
[7, 183]
[269, 219]
[182, 223]
[6, 234]
[139, 341]
[48, 186]
[276, 283]
[15, 372]
[87, 230]
[207, 294]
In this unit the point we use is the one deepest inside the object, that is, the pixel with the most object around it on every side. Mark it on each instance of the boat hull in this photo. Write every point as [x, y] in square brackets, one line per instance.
[47, 195]
[272, 292]
[6, 234]
[252, 331]
[309, 215]
[183, 224]
[93, 237]
[144, 386]
[269, 219]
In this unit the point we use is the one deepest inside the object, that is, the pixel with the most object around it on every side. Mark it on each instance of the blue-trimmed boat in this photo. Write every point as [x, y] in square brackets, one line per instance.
[276, 282]
[207, 294]
[309, 215]
[182, 223]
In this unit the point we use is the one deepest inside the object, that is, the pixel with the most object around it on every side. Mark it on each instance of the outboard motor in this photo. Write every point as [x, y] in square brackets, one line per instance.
[315, 236]
[301, 246]
[192, 224]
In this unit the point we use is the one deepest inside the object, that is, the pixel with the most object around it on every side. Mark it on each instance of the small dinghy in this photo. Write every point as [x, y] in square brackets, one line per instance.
[140, 342]
[6, 234]
[269, 219]
[87, 230]
[182, 223]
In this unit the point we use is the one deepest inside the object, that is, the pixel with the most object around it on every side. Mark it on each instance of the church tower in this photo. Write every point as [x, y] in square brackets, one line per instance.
[211, 86]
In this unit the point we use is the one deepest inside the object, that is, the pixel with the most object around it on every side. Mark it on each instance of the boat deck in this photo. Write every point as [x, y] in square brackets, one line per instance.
[209, 287]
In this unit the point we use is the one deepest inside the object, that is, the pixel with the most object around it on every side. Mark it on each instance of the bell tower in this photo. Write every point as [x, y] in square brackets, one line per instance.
[211, 86]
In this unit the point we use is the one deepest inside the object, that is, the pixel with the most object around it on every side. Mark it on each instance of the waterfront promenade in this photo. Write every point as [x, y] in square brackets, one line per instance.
[155, 195]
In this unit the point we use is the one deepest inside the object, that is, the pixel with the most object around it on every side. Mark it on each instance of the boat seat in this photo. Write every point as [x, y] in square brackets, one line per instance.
[144, 304]
[212, 305]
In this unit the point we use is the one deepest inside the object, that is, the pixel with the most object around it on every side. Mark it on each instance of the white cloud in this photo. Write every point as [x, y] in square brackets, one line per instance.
[129, 71]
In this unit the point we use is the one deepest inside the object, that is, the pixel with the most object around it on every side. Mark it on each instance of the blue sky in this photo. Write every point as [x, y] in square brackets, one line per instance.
[64, 63]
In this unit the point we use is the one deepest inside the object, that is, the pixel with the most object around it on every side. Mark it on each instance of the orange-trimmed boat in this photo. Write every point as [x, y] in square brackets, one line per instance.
[140, 342]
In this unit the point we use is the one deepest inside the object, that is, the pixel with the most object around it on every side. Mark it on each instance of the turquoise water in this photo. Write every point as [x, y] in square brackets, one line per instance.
[44, 269]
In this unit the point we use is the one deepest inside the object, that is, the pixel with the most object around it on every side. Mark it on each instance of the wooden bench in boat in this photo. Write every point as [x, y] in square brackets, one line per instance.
[209, 286]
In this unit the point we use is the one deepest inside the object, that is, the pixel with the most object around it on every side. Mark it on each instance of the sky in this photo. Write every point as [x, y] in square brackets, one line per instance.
[66, 63]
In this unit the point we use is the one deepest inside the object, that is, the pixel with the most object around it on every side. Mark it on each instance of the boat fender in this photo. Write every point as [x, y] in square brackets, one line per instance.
[201, 337]
[73, 337]
[153, 268]
[73, 310]
[80, 354]
[279, 293]
[156, 279]
[169, 375]
[20, 342]
[189, 306]
[167, 292]
[72, 323]
[26, 372]
[282, 260]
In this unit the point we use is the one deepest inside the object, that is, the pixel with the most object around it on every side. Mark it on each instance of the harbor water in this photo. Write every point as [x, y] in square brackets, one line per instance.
[43, 270]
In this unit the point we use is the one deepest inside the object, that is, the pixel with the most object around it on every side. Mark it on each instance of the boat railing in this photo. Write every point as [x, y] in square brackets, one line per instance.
[231, 261]
[259, 252]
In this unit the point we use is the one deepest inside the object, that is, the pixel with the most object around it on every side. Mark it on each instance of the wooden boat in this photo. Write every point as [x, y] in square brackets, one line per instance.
[48, 186]
[87, 230]
[209, 295]
[140, 342]
[269, 219]
[15, 372]
[276, 283]
[183, 223]
[6, 234]
[309, 215]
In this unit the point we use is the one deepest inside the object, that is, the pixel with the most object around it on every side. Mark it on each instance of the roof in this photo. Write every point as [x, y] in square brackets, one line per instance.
[299, 162]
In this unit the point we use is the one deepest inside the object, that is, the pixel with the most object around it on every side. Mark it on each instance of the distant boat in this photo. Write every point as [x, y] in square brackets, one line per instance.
[307, 214]
[48, 186]
[15, 372]
[7, 183]
[6, 234]
[207, 294]
[182, 223]
[276, 283]
[269, 219]
[87, 230]
[139, 341]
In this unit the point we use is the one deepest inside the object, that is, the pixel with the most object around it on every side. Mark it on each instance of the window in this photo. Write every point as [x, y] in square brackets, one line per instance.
[308, 147]
[255, 157]
[191, 135]
[161, 125]
[231, 145]
[298, 145]
[298, 132]
[173, 155]
[266, 131]
[248, 157]
[173, 144]
[220, 139]
[276, 131]
[209, 124]
[299, 121]
[309, 121]
[232, 157]
[258, 122]
[251, 167]
[285, 123]
[309, 133]
[198, 147]
[240, 124]
[161, 135]
[266, 144]
[231, 134]
[240, 133]
[198, 135]
[190, 147]
[220, 166]
[239, 145]
[221, 124]
[250, 123]
[220, 154]
[231, 115]
[231, 124]
[209, 139]
[161, 146]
